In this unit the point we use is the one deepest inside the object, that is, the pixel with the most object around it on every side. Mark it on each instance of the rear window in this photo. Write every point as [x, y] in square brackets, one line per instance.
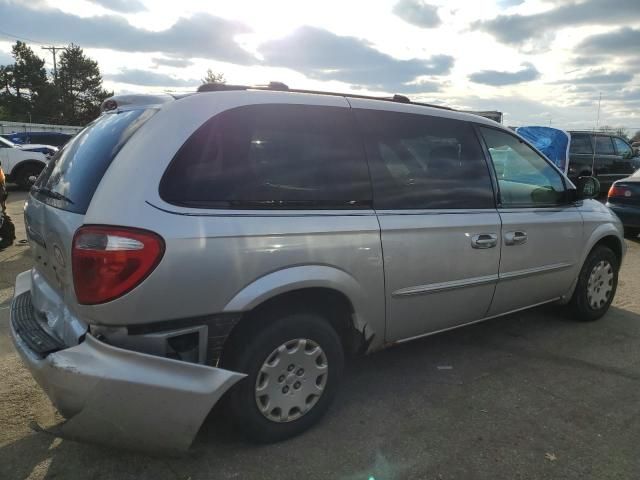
[72, 176]
[271, 156]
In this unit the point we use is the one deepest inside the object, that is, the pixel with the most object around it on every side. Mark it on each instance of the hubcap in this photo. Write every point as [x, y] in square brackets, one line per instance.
[291, 380]
[600, 284]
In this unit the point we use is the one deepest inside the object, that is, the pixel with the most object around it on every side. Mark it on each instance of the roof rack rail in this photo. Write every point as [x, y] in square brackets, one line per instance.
[279, 86]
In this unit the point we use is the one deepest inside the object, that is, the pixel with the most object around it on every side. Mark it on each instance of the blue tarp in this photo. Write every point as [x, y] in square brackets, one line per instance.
[553, 142]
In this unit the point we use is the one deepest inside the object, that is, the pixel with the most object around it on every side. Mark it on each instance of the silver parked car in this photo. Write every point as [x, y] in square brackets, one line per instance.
[244, 241]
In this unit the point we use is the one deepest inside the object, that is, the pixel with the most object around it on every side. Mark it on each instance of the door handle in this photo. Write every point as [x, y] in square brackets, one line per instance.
[515, 238]
[484, 240]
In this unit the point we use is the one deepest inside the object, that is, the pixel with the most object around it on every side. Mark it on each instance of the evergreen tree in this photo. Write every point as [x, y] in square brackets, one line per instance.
[80, 86]
[25, 91]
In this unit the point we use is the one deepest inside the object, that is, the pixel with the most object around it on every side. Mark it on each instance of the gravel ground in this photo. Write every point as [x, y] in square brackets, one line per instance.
[533, 395]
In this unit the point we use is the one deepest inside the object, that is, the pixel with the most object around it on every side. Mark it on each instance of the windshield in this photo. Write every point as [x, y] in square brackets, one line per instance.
[71, 178]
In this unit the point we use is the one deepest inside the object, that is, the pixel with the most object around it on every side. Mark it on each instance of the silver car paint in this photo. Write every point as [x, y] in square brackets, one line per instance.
[544, 266]
[231, 261]
[417, 249]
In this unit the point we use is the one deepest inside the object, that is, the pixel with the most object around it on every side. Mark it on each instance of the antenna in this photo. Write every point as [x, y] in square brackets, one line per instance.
[593, 158]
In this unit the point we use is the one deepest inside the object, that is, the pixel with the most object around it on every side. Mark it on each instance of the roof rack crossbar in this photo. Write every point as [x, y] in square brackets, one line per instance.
[279, 86]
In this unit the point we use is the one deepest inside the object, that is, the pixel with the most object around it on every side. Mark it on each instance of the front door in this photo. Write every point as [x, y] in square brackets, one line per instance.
[439, 226]
[541, 233]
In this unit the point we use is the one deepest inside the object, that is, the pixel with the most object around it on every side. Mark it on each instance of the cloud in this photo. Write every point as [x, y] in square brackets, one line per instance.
[497, 78]
[201, 35]
[509, 3]
[6, 58]
[588, 61]
[624, 41]
[123, 6]
[134, 76]
[323, 55]
[417, 13]
[599, 77]
[172, 62]
[517, 29]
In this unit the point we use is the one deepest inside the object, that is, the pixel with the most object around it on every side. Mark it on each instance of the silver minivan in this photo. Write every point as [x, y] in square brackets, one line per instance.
[242, 242]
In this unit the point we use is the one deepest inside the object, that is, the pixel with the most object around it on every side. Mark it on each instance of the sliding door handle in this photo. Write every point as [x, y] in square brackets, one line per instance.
[515, 238]
[484, 240]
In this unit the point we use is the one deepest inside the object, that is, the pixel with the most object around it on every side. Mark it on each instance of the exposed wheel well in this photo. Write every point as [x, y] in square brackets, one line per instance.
[26, 163]
[614, 244]
[331, 304]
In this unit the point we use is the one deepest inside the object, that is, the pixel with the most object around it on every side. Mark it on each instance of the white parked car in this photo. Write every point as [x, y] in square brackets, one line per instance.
[20, 164]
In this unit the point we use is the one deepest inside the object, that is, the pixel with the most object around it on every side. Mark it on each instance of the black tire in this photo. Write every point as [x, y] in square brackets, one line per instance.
[249, 358]
[26, 172]
[631, 233]
[580, 305]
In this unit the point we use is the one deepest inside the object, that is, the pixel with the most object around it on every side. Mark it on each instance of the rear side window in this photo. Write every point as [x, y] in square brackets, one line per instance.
[271, 156]
[604, 145]
[424, 162]
[623, 148]
[580, 144]
[72, 176]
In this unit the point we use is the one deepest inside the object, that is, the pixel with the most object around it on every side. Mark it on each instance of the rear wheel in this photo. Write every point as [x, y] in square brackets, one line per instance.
[293, 367]
[23, 176]
[596, 286]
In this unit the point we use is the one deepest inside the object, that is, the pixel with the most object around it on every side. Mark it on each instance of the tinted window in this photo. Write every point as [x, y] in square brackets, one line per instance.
[289, 156]
[580, 144]
[419, 161]
[604, 145]
[524, 177]
[76, 170]
[622, 147]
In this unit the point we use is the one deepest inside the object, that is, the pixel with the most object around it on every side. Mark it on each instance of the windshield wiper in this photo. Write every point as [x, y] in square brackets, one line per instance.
[51, 194]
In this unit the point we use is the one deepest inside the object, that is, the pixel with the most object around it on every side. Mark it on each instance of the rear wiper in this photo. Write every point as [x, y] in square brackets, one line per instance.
[51, 194]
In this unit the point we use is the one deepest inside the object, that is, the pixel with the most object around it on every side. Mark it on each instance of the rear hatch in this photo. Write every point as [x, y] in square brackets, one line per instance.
[56, 208]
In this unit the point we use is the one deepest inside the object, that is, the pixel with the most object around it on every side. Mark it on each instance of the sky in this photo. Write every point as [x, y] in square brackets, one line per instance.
[540, 62]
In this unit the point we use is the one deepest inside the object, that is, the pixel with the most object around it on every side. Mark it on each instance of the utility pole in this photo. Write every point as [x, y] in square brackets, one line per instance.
[53, 50]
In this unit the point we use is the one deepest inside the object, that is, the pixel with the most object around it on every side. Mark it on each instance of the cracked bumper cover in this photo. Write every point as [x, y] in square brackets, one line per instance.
[119, 397]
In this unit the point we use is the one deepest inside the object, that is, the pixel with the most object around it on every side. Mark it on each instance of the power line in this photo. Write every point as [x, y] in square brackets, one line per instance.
[24, 39]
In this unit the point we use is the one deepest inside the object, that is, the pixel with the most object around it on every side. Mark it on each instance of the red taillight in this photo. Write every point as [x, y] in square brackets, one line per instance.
[619, 191]
[110, 261]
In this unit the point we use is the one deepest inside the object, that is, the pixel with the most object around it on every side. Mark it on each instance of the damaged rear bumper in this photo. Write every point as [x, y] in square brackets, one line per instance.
[119, 397]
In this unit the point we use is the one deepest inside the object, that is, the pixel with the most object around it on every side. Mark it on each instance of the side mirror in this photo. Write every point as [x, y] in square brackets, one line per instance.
[587, 187]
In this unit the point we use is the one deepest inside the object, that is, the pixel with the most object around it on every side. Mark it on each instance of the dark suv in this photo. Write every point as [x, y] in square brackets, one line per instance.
[611, 157]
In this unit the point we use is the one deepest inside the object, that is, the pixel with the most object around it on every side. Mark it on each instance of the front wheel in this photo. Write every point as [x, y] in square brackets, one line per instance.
[293, 367]
[596, 286]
